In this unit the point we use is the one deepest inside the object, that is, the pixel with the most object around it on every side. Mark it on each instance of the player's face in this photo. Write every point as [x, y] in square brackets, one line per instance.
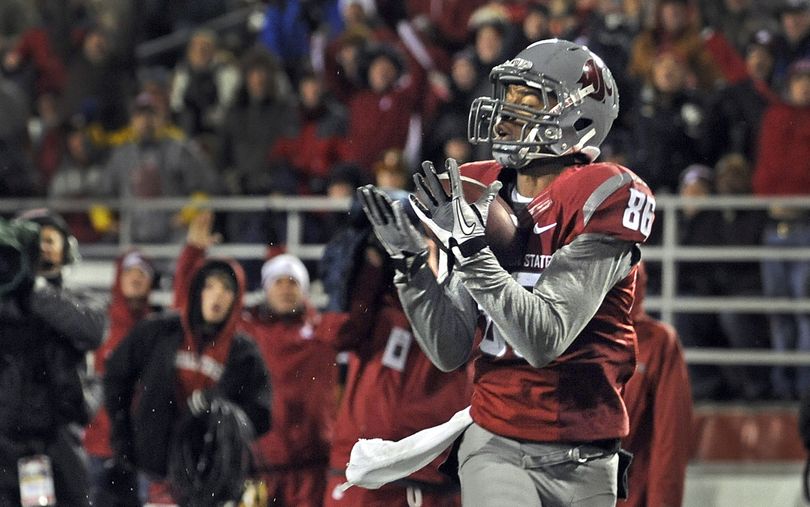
[135, 283]
[284, 295]
[216, 300]
[508, 127]
[51, 249]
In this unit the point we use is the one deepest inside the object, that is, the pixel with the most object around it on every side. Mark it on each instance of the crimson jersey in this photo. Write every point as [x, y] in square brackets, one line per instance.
[576, 397]
[392, 390]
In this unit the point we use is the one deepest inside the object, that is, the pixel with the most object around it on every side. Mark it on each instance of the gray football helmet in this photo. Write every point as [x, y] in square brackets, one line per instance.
[580, 100]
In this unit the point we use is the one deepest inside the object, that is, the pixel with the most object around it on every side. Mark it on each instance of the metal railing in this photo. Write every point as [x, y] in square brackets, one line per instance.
[179, 38]
[669, 253]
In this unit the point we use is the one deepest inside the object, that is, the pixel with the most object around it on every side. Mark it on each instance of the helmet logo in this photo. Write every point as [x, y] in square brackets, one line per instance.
[593, 74]
[518, 64]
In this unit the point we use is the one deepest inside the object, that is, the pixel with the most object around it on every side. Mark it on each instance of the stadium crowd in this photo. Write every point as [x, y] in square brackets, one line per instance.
[320, 97]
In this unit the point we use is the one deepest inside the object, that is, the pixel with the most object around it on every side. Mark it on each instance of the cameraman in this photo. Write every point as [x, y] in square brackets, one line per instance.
[45, 332]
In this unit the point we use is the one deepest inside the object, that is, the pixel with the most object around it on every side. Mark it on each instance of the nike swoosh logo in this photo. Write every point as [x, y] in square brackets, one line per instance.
[466, 227]
[540, 230]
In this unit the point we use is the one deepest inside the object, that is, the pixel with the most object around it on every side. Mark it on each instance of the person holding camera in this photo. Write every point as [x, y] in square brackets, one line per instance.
[45, 332]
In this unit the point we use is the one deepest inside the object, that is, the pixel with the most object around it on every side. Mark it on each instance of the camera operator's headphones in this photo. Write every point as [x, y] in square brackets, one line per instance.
[43, 217]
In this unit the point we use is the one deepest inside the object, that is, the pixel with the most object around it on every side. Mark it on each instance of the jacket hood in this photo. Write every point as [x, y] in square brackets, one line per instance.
[192, 313]
[126, 260]
[121, 313]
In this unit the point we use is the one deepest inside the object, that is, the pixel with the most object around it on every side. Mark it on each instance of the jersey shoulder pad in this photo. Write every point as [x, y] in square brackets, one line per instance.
[607, 199]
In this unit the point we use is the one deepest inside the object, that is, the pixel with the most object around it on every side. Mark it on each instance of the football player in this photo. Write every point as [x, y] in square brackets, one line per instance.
[558, 340]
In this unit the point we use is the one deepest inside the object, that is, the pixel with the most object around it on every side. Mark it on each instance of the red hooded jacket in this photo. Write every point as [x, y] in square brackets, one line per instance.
[122, 316]
[783, 151]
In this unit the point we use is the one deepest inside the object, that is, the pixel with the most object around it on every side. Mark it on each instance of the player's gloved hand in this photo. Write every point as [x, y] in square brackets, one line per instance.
[457, 224]
[391, 225]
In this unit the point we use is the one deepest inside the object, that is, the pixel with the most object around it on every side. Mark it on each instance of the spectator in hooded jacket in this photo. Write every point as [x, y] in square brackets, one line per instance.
[171, 370]
[659, 404]
[129, 304]
[294, 340]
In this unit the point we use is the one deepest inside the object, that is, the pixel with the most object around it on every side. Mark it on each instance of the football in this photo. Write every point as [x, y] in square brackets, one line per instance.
[501, 227]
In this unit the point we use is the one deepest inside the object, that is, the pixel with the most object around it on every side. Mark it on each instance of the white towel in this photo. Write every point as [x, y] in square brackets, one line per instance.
[376, 462]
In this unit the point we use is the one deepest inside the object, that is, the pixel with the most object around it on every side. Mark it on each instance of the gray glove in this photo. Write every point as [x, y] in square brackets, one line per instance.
[391, 226]
[457, 224]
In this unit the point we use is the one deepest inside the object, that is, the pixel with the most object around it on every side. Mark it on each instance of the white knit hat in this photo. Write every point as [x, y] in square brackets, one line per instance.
[285, 265]
[369, 6]
[137, 260]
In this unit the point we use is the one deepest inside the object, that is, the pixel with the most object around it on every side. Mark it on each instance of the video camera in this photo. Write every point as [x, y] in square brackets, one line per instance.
[19, 252]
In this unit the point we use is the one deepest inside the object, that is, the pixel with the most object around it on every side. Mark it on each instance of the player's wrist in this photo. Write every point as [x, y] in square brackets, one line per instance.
[476, 251]
[410, 262]
[468, 246]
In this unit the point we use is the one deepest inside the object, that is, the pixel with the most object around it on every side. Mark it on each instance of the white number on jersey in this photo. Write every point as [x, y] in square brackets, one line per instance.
[493, 343]
[639, 213]
[396, 350]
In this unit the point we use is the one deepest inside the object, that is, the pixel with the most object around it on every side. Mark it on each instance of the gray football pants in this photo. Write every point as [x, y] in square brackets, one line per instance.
[500, 472]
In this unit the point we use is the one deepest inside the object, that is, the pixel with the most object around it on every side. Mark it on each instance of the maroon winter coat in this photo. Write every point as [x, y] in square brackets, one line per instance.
[783, 152]
[659, 403]
[122, 318]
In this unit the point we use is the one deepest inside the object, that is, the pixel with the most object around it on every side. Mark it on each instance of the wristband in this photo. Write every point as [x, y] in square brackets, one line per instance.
[410, 264]
[471, 247]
